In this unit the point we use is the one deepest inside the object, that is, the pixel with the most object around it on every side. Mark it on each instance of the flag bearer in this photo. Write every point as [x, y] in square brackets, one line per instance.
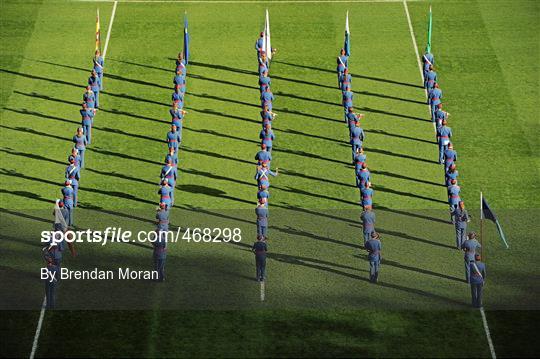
[477, 279]
[98, 67]
[469, 248]
[95, 84]
[342, 64]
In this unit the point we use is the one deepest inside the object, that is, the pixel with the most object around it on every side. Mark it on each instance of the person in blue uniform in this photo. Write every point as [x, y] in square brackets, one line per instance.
[260, 248]
[51, 281]
[160, 255]
[264, 64]
[453, 195]
[261, 211]
[342, 64]
[76, 156]
[431, 79]
[174, 138]
[469, 248]
[169, 173]
[368, 222]
[427, 61]
[450, 156]
[67, 198]
[440, 115]
[357, 137]
[434, 100]
[345, 80]
[477, 280]
[181, 64]
[267, 116]
[461, 219]
[451, 174]
[373, 247]
[366, 195]
[177, 95]
[98, 67]
[363, 176]
[264, 81]
[72, 174]
[263, 156]
[80, 144]
[95, 84]
[173, 157]
[359, 159]
[267, 137]
[162, 218]
[347, 100]
[444, 134]
[89, 98]
[266, 99]
[179, 79]
[165, 193]
[259, 44]
[263, 171]
[263, 193]
[351, 118]
[87, 119]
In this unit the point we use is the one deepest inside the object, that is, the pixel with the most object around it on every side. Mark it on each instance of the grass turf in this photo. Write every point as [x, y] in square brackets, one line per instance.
[220, 140]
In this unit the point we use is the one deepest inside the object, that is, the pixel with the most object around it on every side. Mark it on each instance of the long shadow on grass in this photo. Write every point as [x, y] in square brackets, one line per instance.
[412, 238]
[27, 155]
[353, 75]
[407, 194]
[16, 174]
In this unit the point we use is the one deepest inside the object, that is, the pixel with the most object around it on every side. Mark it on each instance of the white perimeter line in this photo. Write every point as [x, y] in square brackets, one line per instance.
[110, 30]
[417, 53]
[38, 329]
[488, 335]
[249, 1]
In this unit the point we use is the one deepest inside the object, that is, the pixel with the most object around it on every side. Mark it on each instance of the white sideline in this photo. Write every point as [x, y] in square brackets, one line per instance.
[488, 335]
[109, 30]
[484, 320]
[417, 53]
[248, 1]
[42, 313]
[38, 329]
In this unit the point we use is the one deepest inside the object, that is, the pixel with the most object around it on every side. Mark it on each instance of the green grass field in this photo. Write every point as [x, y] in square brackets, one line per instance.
[319, 302]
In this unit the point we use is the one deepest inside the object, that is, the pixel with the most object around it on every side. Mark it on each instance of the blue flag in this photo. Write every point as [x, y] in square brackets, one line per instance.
[488, 213]
[186, 40]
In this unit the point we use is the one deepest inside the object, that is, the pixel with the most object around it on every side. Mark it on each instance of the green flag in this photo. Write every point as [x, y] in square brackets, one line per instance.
[430, 24]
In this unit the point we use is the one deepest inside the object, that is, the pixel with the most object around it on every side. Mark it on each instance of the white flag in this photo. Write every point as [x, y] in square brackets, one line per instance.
[267, 48]
[347, 24]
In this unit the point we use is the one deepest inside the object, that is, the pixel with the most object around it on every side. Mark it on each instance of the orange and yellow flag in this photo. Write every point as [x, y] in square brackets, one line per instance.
[98, 33]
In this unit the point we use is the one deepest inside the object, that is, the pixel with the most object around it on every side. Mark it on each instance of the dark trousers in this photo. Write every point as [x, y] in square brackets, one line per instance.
[260, 262]
[374, 266]
[50, 294]
[87, 129]
[159, 266]
[476, 294]
[262, 230]
[461, 236]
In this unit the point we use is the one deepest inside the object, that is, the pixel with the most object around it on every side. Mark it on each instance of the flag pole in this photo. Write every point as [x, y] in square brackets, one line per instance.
[482, 225]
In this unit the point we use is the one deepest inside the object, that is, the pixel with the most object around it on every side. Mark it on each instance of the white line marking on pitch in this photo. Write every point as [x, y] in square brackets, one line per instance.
[110, 30]
[488, 335]
[38, 329]
[42, 313]
[411, 31]
[250, 1]
[484, 320]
